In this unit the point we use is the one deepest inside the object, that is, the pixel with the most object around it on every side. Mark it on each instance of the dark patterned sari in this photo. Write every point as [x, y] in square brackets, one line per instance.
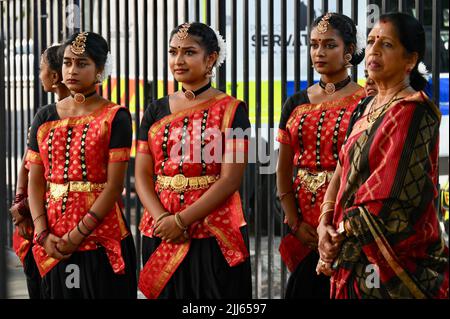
[388, 194]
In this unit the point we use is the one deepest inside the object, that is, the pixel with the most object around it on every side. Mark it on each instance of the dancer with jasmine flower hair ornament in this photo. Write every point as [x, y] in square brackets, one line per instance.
[195, 241]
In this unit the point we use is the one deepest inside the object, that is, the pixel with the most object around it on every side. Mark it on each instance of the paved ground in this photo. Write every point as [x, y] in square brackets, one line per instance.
[17, 288]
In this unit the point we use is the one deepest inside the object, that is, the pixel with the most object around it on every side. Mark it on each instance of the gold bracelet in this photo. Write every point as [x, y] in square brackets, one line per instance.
[165, 214]
[324, 213]
[283, 195]
[326, 202]
[35, 219]
[179, 222]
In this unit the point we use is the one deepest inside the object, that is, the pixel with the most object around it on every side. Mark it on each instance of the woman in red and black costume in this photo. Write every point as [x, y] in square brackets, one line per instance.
[78, 150]
[51, 79]
[311, 132]
[188, 173]
[385, 184]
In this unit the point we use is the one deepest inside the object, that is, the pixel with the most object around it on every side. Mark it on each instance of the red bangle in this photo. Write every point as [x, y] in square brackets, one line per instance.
[296, 226]
[39, 238]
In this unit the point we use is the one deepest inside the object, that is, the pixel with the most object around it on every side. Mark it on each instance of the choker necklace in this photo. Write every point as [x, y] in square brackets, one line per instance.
[191, 95]
[80, 97]
[330, 88]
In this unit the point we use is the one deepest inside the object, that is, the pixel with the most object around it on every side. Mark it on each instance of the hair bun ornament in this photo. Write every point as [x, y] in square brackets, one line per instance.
[223, 49]
[360, 41]
[107, 68]
[422, 68]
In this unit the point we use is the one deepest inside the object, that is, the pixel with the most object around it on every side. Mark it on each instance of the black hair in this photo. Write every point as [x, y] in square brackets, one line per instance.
[346, 28]
[96, 47]
[411, 35]
[206, 36]
[54, 57]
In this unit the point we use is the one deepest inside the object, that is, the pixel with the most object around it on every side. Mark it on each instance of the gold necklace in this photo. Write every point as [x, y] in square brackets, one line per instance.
[375, 113]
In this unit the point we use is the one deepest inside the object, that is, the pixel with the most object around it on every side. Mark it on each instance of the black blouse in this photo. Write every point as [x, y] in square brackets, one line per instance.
[160, 108]
[121, 130]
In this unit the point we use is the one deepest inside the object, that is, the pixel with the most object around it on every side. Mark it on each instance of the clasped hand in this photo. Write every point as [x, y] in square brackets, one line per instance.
[168, 230]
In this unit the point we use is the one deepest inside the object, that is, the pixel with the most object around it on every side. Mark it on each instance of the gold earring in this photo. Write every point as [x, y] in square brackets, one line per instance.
[99, 79]
[348, 58]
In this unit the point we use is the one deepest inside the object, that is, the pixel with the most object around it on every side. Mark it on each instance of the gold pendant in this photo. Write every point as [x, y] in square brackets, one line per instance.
[79, 98]
[189, 95]
[330, 88]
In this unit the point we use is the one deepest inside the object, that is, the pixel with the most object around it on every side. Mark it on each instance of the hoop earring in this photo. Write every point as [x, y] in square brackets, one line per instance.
[348, 58]
[99, 78]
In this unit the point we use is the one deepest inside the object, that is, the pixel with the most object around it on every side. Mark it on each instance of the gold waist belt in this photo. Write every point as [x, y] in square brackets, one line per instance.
[313, 181]
[180, 183]
[57, 191]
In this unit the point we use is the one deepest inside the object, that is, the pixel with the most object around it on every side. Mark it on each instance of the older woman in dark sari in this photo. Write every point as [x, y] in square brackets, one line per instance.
[382, 239]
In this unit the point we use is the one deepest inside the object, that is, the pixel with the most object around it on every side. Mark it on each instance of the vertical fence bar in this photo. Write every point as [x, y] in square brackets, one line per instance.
[339, 6]
[23, 128]
[197, 10]
[165, 49]
[118, 77]
[245, 54]
[402, 6]
[283, 273]
[297, 45]
[354, 16]
[137, 124]
[28, 9]
[309, 21]
[147, 92]
[208, 12]
[15, 104]
[59, 11]
[436, 37]
[91, 15]
[234, 48]
[155, 50]
[270, 147]
[83, 17]
[221, 76]
[127, 104]
[324, 6]
[99, 26]
[108, 37]
[245, 79]
[186, 10]
[175, 24]
[3, 191]
[257, 197]
[383, 6]
[419, 10]
[9, 102]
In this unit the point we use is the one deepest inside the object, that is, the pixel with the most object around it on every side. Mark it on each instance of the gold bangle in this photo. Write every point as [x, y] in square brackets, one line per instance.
[283, 195]
[165, 214]
[324, 213]
[179, 222]
[35, 219]
[326, 202]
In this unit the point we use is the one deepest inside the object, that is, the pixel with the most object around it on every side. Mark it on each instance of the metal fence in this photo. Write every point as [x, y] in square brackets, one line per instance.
[137, 32]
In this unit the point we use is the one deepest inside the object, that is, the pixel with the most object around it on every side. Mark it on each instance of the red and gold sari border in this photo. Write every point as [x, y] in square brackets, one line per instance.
[119, 155]
[33, 157]
[283, 137]
[74, 121]
[142, 147]
[389, 254]
[229, 114]
[172, 117]
[326, 106]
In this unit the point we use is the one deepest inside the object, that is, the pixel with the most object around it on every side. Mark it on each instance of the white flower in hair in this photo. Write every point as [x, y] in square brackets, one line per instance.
[360, 41]
[422, 68]
[107, 69]
[223, 49]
